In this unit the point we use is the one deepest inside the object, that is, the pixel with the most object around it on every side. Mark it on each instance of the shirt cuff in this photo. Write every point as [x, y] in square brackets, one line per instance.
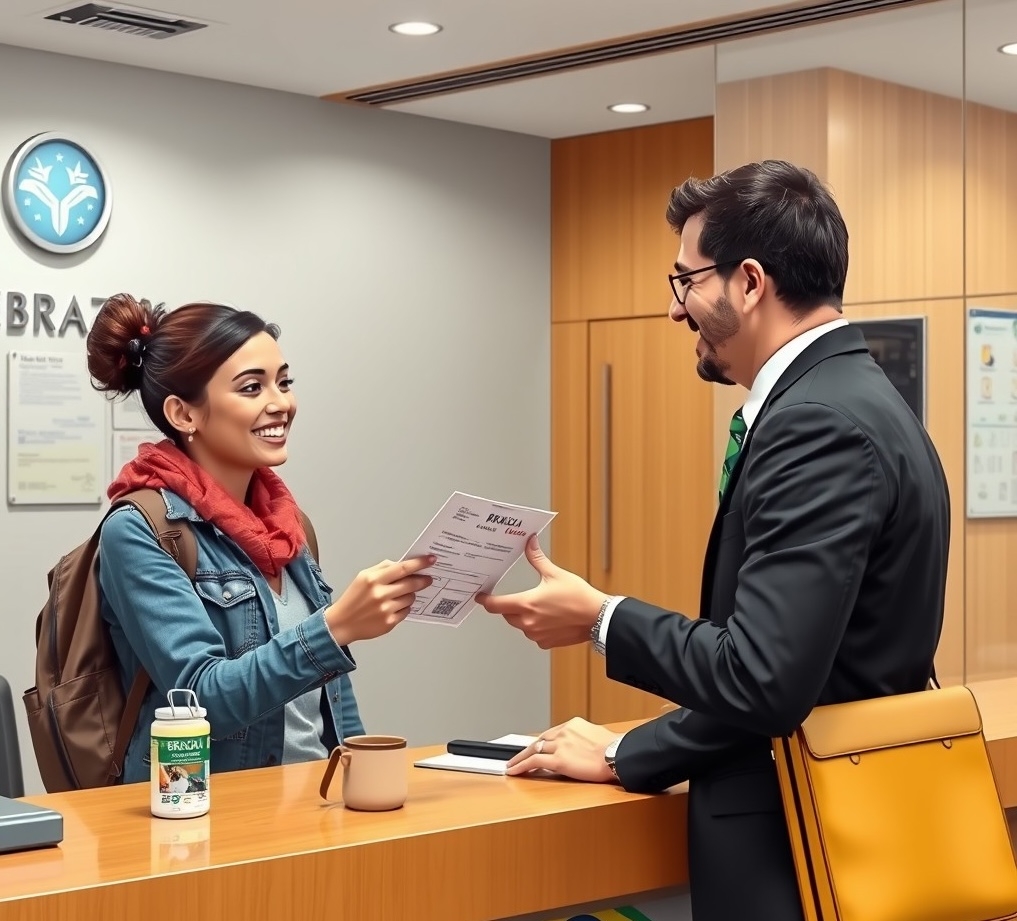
[605, 623]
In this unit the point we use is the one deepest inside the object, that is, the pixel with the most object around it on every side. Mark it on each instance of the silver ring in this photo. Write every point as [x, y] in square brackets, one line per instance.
[540, 746]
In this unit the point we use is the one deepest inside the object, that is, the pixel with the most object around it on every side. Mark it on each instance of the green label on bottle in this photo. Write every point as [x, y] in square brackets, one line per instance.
[182, 766]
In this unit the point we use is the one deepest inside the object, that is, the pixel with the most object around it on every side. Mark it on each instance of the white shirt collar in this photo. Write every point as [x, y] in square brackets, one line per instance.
[777, 364]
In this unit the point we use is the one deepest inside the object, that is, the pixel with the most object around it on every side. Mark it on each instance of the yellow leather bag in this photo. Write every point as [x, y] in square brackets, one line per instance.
[893, 812]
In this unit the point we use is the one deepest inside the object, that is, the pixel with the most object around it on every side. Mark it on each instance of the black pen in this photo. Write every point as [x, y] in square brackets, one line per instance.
[493, 750]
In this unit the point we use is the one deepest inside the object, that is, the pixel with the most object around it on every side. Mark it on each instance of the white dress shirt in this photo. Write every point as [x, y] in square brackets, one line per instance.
[764, 382]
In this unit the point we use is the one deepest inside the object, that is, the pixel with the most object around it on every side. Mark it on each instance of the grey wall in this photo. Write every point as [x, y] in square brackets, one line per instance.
[407, 261]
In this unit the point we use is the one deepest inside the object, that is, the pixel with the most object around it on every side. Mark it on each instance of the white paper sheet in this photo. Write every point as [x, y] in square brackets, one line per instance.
[476, 542]
[55, 430]
[449, 762]
[129, 414]
[125, 447]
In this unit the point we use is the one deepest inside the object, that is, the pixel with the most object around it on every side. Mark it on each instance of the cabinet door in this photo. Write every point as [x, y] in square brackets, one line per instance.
[652, 482]
[610, 241]
[591, 226]
[570, 490]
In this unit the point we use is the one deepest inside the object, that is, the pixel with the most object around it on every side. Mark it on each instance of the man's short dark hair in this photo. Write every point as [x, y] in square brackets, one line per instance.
[779, 214]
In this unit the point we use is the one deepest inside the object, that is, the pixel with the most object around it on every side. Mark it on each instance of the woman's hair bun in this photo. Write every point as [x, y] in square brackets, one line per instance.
[118, 340]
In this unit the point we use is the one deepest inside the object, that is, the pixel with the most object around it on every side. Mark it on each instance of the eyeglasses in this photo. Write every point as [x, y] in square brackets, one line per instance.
[682, 282]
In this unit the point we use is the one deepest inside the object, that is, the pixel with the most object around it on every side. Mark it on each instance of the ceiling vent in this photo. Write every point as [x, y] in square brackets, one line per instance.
[126, 20]
[622, 49]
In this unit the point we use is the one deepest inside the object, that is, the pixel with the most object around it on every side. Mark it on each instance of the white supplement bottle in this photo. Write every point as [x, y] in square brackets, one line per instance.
[180, 747]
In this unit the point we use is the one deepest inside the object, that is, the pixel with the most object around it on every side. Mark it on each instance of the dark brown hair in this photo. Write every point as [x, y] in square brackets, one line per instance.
[135, 346]
[778, 214]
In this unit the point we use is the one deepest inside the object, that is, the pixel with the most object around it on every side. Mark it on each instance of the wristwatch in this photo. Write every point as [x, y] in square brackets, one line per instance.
[595, 632]
[610, 753]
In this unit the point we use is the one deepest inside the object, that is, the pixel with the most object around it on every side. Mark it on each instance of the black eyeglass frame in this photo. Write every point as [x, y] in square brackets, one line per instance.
[686, 285]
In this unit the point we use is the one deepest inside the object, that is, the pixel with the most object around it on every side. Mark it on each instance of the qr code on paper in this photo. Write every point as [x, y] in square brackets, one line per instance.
[445, 608]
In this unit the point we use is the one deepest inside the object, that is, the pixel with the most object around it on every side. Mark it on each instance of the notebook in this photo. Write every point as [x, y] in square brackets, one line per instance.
[449, 762]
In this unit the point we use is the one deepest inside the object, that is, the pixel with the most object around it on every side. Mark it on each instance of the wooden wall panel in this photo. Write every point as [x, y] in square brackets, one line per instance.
[779, 117]
[665, 156]
[570, 498]
[945, 422]
[895, 165]
[611, 247]
[591, 226]
[991, 627]
[991, 158]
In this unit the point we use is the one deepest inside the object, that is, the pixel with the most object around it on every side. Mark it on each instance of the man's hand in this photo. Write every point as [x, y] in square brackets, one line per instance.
[575, 749]
[560, 611]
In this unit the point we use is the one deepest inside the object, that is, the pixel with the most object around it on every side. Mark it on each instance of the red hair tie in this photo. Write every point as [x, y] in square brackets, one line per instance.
[145, 330]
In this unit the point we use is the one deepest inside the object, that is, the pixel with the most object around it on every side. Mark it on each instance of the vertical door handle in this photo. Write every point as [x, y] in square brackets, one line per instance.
[606, 466]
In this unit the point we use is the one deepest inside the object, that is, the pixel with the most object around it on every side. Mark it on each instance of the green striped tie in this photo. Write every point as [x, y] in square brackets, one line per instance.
[736, 435]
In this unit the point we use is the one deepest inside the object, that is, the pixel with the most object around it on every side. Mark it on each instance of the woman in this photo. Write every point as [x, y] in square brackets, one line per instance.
[256, 635]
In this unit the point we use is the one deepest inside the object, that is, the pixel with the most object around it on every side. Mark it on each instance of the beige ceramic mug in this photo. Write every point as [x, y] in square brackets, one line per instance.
[375, 777]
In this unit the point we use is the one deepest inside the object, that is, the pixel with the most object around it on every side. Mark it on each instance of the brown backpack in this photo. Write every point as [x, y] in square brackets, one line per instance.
[79, 718]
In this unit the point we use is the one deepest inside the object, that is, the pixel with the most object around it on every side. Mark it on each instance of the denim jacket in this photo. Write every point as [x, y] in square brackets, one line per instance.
[219, 637]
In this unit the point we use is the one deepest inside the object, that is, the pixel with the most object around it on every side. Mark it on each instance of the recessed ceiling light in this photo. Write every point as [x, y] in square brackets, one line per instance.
[415, 28]
[628, 108]
[1009, 49]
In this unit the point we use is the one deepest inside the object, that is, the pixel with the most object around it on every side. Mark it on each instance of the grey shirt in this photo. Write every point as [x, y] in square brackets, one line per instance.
[302, 739]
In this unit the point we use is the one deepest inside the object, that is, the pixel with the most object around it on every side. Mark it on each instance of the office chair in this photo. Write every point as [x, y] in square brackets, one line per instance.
[12, 784]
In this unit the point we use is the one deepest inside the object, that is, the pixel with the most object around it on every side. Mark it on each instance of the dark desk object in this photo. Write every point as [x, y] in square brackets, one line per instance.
[495, 750]
[11, 782]
[24, 826]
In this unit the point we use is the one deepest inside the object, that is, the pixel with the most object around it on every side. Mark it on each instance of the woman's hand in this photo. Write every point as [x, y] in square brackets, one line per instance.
[377, 600]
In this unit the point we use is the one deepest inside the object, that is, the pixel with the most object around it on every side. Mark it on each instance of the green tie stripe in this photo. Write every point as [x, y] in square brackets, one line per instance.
[736, 435]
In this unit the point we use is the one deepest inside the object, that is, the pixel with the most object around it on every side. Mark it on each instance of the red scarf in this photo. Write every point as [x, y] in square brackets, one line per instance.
[268, 530]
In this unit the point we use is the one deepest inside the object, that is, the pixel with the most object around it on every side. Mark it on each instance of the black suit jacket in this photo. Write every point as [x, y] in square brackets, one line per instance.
[824, 581]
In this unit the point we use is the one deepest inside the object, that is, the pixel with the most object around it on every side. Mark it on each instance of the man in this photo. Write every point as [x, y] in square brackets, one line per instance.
[825, 571]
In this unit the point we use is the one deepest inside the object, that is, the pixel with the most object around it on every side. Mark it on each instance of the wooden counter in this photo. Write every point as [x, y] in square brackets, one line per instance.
[465, 846]
[997, 702]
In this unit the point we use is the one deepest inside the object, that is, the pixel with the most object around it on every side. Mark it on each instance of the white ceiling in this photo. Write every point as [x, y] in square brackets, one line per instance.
[317, 47]
[674, 86]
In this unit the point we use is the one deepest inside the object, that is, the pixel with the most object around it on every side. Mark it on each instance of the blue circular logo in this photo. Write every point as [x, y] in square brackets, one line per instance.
[56, 194]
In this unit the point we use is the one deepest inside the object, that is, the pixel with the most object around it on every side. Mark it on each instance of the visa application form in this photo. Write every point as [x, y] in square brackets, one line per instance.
[476, 541]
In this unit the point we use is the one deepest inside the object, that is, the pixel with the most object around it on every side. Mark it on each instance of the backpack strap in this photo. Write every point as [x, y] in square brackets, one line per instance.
[128, 720]
[312, 538]
[177, 539]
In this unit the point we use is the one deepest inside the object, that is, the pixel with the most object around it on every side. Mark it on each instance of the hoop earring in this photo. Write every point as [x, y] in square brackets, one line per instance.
[190, 434]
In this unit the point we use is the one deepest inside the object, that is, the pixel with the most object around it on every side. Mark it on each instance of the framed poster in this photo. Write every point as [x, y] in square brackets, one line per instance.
[990, 363]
